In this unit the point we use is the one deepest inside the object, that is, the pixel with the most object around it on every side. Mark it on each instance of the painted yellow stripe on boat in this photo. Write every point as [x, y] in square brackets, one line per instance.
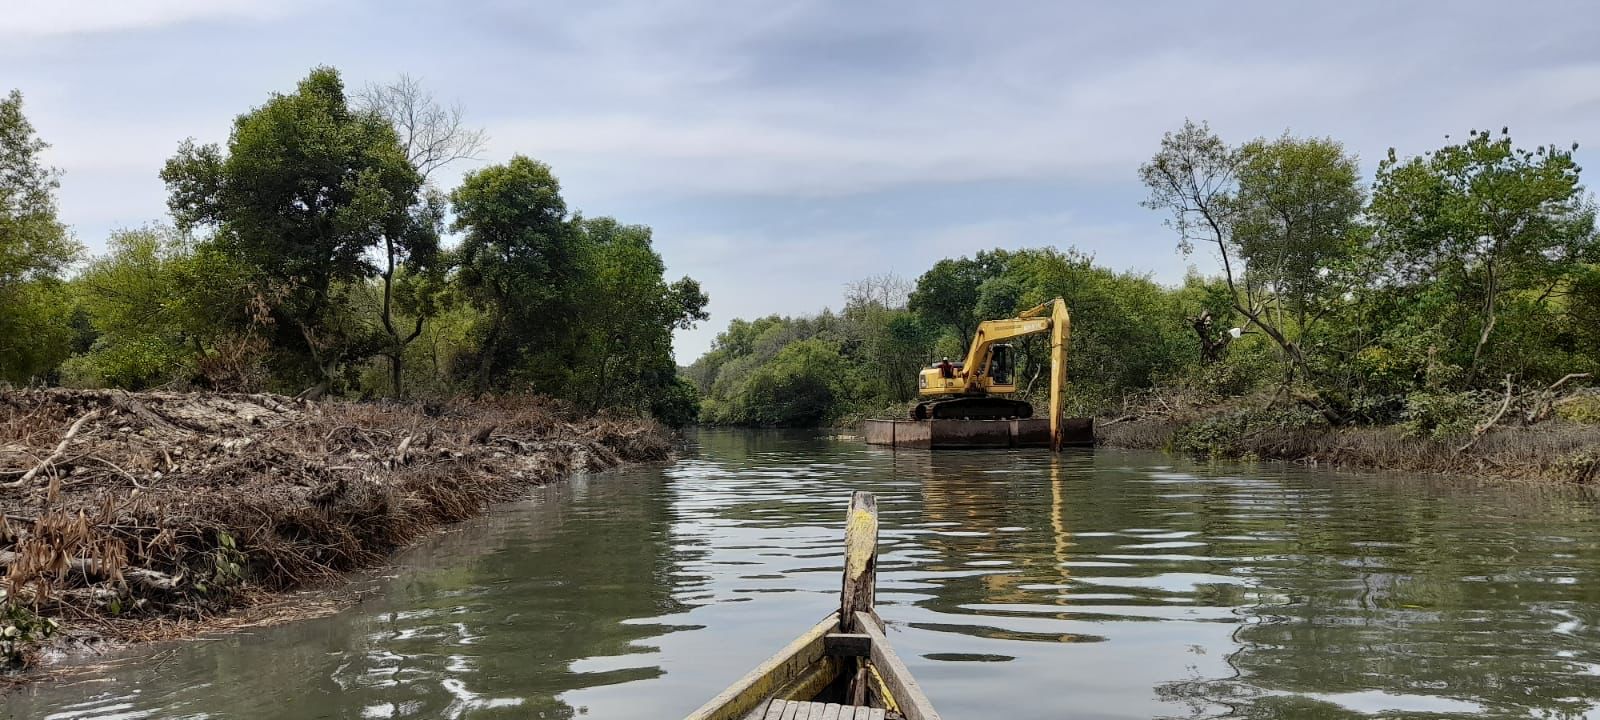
[883, 689]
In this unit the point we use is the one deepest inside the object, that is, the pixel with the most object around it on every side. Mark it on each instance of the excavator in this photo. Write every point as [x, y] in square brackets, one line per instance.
[972, 389]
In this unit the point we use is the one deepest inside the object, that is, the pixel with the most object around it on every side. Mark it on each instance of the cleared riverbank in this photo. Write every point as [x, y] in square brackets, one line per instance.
[1554, 451]
[146, 515]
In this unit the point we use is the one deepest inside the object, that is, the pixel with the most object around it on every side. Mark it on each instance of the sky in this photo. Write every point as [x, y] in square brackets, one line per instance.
[781, 150]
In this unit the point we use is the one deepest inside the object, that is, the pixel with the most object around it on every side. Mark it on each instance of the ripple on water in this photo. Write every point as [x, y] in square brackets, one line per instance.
[1135, 584]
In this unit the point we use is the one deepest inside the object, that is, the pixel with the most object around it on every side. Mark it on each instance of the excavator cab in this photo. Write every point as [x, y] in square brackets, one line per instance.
[1002, 365]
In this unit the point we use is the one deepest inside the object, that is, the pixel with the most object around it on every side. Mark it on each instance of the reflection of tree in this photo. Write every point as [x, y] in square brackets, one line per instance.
[739, 448]
[983, 492]
[963, 493]
[1372, 587]
[1395, 593]
[563, 596]
[497, 619]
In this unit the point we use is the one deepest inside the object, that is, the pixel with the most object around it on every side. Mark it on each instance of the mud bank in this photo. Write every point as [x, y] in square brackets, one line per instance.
[1552, 452]
[133, 516]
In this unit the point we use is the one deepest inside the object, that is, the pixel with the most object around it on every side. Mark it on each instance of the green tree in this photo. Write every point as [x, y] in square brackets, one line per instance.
[307, 189]
[1297, 204]
[1126, 329]
[1487, 220]
[131, 296]
[627, 317]
[34, 250]
[946, 296]
[1279, 215]
[798, 388]
[519, 262]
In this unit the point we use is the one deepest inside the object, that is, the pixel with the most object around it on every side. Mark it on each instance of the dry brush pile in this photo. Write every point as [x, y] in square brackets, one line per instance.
[119, 508]
[1543, 433]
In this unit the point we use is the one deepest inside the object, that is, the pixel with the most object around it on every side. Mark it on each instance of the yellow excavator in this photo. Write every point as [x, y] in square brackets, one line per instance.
[972, 389]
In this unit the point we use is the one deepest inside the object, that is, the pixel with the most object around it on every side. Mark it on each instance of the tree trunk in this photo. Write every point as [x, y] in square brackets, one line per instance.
[398, 348]
[1489, 317]
[486, 355]
[396, 367]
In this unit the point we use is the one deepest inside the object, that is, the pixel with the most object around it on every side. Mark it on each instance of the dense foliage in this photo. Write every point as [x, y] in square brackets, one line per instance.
[311, 253]
[1129, 332]
[1342, 304]
[34, 252]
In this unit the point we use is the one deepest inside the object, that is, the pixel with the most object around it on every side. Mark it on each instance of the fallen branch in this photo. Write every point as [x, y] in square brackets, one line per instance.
[1569, 376]
[61, 449]
[1478, 432]
[1547, 401]
[88, 566]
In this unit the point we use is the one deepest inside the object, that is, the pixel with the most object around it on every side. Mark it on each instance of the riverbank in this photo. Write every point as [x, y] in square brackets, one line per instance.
[139, 516]
[1554, 450]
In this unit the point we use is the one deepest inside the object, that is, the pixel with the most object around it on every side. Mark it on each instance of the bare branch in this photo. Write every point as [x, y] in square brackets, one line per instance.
[432, 134]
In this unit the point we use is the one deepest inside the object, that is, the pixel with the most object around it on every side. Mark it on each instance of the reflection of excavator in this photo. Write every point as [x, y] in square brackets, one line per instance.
[970, 389]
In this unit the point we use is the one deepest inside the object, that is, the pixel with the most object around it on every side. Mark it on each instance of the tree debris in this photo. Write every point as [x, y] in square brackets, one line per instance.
[183, 505]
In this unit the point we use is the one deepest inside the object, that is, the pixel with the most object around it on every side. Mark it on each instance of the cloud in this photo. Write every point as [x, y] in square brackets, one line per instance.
[44, 18]
[832, 143]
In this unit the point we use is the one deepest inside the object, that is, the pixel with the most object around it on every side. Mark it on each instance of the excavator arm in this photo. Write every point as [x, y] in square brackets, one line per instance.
[1059, 324]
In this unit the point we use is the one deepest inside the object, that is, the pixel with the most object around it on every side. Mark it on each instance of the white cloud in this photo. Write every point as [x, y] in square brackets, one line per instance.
[764, 142]
[67, 17]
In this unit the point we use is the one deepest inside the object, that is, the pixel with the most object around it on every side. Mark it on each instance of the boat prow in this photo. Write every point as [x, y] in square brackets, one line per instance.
[843, 668]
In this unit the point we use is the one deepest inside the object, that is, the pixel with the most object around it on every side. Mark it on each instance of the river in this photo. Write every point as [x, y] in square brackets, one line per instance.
[1104, 584]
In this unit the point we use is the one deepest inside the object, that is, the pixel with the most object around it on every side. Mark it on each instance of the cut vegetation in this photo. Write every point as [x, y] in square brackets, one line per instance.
[123, 508]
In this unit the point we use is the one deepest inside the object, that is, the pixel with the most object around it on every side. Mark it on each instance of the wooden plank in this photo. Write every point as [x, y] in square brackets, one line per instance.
[847, 645]
[860, 557]
[831, 711]
[789, 663]
[877, 714]
[790, 710]
[774, 710]
[907, 694]
[806, 710]
[862, 712]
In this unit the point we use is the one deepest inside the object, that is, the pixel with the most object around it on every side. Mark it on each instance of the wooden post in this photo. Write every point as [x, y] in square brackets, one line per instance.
[860, 558]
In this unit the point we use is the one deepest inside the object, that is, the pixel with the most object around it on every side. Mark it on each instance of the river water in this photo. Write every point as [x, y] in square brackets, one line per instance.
[1101, 584]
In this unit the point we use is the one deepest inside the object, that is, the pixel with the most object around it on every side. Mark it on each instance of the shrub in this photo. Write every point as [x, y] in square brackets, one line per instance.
[1581, 466]
[1439, 415]
[1237, 434]
[1583, 410]
[1218, 436]
[20, 632]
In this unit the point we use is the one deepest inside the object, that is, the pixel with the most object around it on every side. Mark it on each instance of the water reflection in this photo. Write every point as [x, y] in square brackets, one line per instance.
[1082, 585]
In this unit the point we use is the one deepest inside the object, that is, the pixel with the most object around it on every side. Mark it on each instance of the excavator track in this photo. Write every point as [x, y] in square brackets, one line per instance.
[972, 408]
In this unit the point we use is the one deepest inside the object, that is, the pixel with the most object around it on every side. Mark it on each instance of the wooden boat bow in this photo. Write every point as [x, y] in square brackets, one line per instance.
[843, 668]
